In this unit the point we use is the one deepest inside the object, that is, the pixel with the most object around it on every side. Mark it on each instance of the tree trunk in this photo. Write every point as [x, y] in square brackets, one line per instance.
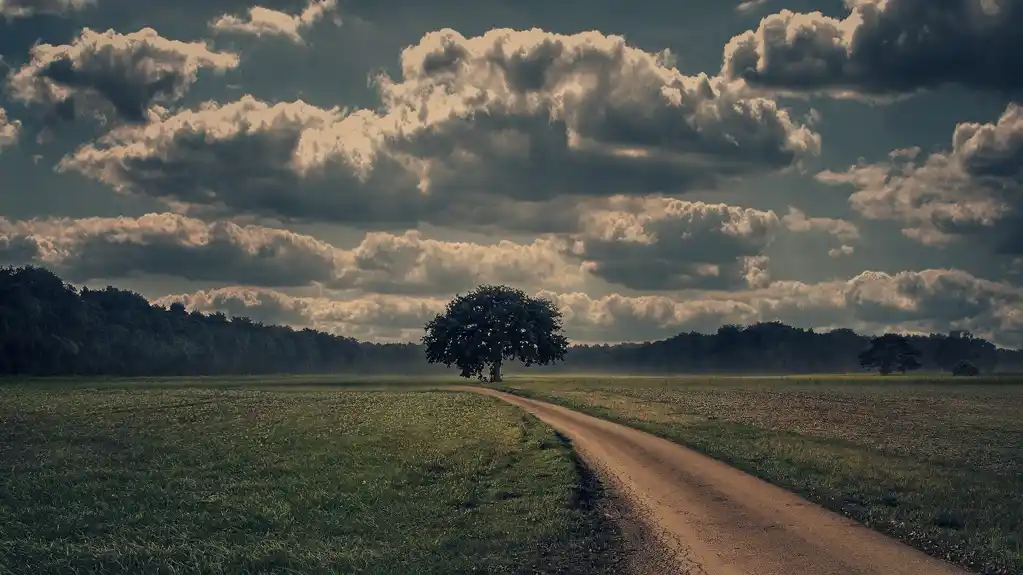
[495, 372]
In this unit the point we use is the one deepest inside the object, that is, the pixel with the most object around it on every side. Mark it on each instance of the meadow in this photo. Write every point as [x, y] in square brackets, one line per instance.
[288, 475]
[935, 462]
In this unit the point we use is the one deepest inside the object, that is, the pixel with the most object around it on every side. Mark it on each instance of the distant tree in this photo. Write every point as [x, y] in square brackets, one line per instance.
[481, 330]
[889, 353]
[965, 368]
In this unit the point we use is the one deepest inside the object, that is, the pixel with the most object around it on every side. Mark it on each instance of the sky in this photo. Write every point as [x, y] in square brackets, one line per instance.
[652, 167]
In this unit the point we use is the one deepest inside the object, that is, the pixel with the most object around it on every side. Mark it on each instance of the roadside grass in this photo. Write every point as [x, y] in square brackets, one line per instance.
[935, 463]
[176, 480]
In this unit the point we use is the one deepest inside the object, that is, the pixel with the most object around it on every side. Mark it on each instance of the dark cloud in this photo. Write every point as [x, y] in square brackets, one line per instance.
[509, 116]
[885, 47]
[973, 190]
[668, 244]
[167, 244]
[176, 246]
[127, 74]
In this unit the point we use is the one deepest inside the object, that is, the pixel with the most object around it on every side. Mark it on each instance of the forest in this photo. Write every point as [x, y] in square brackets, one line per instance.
[49, 327]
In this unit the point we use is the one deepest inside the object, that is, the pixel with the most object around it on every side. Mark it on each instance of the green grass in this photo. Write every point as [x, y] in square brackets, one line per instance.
[937, 463]
[181, 477]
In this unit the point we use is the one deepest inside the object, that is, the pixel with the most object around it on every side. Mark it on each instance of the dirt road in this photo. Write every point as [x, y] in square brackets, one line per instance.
[717, 520]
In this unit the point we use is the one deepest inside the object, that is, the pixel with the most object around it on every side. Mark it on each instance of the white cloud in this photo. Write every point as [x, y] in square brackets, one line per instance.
[841, 251]
[372, 317]
[797, 221]
[262, 21]
[751, 5]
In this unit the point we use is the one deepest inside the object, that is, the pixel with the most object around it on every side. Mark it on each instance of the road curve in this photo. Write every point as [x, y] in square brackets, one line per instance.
[717, 520]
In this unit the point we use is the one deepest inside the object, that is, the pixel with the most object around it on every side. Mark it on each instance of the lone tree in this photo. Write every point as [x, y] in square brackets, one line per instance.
[965, 368]
[481, 330]
[889, 353]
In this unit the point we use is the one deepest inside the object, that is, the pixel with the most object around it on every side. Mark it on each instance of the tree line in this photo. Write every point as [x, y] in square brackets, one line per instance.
[774, 347]
[49, 327]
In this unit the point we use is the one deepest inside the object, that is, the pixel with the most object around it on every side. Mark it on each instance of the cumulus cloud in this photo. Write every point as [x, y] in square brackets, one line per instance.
[262, 21]
[665, 243]
[925, 301]
[101, 72]
[24, 8]
[372, 317]
[174, 245]
[884, 47]
[918, 301]
[486, 130]
[168, 244]
[797, 221]
[841, 251]
[10, 130]
[410, 263]
[974, 189]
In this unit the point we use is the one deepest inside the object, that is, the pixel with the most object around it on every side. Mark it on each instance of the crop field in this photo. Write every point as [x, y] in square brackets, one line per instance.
[936, 463]
[246, 476]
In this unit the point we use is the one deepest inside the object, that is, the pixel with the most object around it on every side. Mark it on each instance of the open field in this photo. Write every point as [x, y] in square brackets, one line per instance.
[935, 463]
[181, 477]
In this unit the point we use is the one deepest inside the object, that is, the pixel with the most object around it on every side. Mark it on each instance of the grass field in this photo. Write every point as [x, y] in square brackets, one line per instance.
[245, 476]
[935, 463]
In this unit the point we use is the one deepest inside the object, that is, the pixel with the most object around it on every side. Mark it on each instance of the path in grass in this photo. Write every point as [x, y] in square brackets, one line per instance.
[937, 466]
[242, 481]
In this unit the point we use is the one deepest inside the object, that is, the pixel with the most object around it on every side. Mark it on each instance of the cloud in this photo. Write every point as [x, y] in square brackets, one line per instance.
[916, 301]
[664, 243]
[642, 244]
[974, 190]
[24, 8]
[372, 317]
[410, 263]
[750, 5]
[265, 22]
[482, 131]
[101, 72]
[797, 221]
[933, 300]
[10, 130]
[173, 245]
[841, 251]
[884, 47]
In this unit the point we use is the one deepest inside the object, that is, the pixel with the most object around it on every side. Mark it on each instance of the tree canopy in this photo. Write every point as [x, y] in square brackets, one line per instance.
[889, 353]
[481, 330]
